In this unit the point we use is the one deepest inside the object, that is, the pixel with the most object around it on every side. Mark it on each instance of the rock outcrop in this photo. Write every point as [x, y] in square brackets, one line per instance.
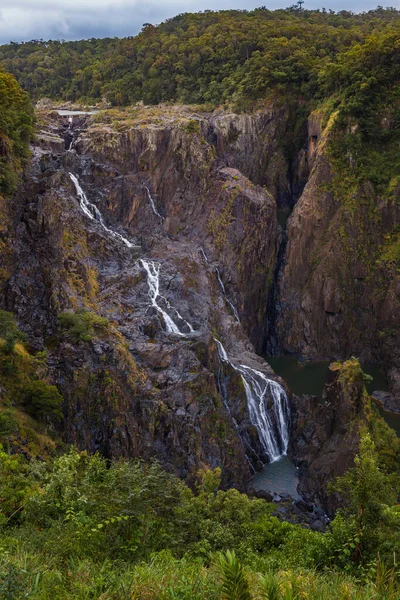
[326, 434]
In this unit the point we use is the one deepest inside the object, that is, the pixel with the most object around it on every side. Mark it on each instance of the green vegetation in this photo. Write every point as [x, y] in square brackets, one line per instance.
[83, 324]
[368, 492]
[9, 331]
[43, 401]
[79, 527]
[16, 119]
[210, 57]
[30, 406]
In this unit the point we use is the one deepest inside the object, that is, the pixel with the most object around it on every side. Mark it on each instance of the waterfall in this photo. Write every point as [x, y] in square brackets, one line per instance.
[204, 255]
[153, 279]
[232, 306]
[221, 284]
[152, 203]
[272, 423]
[93, 212]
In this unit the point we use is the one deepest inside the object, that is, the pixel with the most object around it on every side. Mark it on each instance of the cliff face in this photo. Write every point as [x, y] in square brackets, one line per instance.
[326, 435]
[182, 236]
[339, 289]
[184, 258]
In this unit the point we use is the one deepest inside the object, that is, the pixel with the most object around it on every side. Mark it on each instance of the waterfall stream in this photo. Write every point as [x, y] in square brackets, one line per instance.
[272, 423]
[230, 304]
[93, 212]
[221, 285]
[153, 279]
[266, 400]
[152, 203]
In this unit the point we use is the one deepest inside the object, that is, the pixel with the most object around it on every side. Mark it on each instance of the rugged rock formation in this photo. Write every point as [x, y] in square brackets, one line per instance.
[132, 388]
[326, 434]
[339, 291]
[191, 201]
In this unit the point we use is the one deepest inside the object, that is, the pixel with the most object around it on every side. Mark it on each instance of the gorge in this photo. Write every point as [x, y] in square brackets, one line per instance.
[200, 309]
[175, 288]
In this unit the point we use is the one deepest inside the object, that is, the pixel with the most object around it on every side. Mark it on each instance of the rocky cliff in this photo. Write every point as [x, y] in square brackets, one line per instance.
[182, 255]
[147, 259]
[339, 287]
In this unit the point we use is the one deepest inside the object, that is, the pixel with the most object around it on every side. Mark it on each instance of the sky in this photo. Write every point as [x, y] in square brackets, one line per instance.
[23, 20]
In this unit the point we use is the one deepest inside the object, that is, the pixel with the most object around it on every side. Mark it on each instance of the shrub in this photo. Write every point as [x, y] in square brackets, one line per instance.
[9, 331]
[43, 401]
[83, 324]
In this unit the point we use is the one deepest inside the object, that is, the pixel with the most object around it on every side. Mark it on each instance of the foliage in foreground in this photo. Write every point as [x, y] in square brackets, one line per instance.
[83, 528]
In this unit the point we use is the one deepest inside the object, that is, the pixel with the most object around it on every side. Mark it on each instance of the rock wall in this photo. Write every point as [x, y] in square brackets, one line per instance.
[197, 195]
[339, 295]
[132, 388]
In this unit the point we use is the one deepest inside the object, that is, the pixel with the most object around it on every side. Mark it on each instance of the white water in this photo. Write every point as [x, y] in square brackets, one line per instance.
[93, 212]
[70, 124]
[152, 203]
[204, 255]
[273, 433]
[153, 279]
[72, 113]
[232, 306]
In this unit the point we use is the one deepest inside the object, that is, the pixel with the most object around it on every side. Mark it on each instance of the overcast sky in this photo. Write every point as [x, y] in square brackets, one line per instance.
[22, 20]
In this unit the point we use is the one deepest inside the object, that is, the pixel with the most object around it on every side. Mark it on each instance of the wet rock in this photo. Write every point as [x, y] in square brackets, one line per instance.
[303, 506]
[130, 388]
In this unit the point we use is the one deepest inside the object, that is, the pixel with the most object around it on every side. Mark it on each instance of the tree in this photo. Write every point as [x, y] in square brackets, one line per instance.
[9, 331]
[43, 401]
[368, 492]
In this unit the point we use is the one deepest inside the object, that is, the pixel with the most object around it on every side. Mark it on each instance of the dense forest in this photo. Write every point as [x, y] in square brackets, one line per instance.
[216, 57]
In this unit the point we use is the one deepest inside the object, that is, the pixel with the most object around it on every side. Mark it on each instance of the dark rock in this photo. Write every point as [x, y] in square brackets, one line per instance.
[264, 495]
[303, 505]
[387, 400]
[318, 526]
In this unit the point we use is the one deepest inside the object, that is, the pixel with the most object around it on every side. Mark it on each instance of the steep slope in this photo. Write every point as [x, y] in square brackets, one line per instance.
[128, 305]
[340, 286]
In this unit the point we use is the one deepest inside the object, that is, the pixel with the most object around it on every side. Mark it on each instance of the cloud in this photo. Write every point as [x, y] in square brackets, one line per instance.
[22, 20]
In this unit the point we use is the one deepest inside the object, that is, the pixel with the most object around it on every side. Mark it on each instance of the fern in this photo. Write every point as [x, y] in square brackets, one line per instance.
[234, 584]
[271, 588]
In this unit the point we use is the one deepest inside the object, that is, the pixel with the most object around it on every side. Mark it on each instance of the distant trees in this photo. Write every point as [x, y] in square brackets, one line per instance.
[216, 57]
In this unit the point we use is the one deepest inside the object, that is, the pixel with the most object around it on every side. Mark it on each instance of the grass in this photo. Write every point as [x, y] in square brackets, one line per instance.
[29, 574]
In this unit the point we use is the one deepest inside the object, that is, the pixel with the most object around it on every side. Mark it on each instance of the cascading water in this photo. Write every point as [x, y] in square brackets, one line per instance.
[221, 284]
[93, 212]
[153, 279]
[152, 203]
[232, 306]
[272, 423]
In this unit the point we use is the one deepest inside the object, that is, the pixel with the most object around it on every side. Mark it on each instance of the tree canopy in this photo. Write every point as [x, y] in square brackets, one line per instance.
[217, 57]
